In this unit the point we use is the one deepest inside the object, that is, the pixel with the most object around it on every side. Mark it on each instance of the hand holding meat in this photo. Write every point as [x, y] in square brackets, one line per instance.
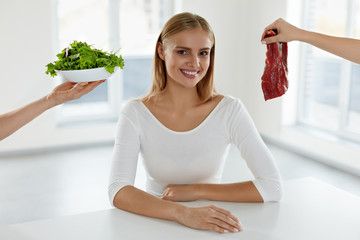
[347, 48]
[285, 32]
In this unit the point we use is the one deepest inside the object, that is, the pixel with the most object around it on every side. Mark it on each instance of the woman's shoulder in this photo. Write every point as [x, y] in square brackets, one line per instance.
[131, 106]
[235, 111]
[232, 102]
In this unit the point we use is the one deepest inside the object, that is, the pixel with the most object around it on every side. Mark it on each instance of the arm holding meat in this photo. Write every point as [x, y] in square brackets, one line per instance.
[348, 48]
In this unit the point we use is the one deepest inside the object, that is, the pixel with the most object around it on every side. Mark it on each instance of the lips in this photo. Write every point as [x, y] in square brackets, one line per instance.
[189, 73]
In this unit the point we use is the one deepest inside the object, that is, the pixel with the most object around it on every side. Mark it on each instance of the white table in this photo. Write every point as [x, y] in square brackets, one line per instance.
[310, 209]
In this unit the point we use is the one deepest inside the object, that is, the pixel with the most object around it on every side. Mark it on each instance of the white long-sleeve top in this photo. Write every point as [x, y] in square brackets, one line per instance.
[195, 156]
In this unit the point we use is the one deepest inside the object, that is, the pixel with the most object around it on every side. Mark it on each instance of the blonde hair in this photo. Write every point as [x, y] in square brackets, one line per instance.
[178, 23]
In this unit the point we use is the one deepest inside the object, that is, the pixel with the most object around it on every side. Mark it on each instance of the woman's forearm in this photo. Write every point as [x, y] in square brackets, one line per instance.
[12, 121]
[347, 48]
[137, 201]
[211, 217]
[231, 192]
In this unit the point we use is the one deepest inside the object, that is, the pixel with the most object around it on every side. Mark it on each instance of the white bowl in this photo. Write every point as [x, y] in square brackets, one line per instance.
[86, 75]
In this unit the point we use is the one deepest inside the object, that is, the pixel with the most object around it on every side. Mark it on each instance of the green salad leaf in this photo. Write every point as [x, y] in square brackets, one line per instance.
[80, 55]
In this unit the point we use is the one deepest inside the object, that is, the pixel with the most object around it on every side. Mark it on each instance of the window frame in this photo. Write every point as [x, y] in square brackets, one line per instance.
[342, 131]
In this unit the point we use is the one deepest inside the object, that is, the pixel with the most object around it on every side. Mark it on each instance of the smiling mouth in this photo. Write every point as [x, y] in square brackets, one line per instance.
[190, 73]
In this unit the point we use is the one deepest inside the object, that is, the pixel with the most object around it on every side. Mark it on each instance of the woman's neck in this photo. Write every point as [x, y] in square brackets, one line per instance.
[181, 98]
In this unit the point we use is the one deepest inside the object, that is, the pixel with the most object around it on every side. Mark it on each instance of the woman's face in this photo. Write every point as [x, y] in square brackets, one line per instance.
[187, 57]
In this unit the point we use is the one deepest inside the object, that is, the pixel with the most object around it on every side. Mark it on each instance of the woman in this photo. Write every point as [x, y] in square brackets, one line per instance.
[183, 129]
[347, 48]
[12, 121]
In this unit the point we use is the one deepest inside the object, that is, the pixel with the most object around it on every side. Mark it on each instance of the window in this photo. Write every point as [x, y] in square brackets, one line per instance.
[129, 25]
[330, 86]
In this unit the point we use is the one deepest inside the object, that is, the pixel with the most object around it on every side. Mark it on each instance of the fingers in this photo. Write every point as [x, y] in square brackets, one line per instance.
[65, 86]
[180, 193]
[225, 220]
[216, 228]
[282, 28]
[225, 212]
[85, 87]
[167, 195]
[210, 218]
[221, 226]
[70, 91]
[272, 26]
[269, 40]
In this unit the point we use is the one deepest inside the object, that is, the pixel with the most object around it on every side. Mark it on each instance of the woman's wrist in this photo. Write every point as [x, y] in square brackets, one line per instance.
[304, 35]
[49, 101]
[178, 212]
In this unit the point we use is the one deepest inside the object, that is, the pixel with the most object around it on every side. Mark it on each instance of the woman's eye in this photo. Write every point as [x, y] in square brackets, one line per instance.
[182, 52]
[204, 53]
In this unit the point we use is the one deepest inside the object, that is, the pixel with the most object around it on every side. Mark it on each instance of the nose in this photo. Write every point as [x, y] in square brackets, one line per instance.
[194, 61]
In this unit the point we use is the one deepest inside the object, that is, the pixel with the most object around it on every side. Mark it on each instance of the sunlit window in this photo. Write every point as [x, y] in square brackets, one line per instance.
[330, 92]
[129, 25]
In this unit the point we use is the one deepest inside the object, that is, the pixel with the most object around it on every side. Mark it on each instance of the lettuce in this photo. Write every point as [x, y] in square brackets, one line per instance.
[80, 55]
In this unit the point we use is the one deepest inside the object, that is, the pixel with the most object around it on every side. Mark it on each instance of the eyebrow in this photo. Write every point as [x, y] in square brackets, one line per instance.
[202, 49]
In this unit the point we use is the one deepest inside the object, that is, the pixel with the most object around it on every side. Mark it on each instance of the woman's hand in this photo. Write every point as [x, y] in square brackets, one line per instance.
[70, 91]
[209, 218]
[285, 32]
[180, 193]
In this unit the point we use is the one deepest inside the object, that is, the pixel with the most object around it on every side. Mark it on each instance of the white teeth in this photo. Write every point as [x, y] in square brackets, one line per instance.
[190, 73]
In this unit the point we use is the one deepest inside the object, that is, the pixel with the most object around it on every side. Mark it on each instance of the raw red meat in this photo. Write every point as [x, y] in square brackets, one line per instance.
[274, 81]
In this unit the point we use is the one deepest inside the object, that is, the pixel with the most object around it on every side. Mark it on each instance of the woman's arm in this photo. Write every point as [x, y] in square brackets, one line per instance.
[232, 192]
[267, 185]
[12, 121]
[211, 218]
[348, 48]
